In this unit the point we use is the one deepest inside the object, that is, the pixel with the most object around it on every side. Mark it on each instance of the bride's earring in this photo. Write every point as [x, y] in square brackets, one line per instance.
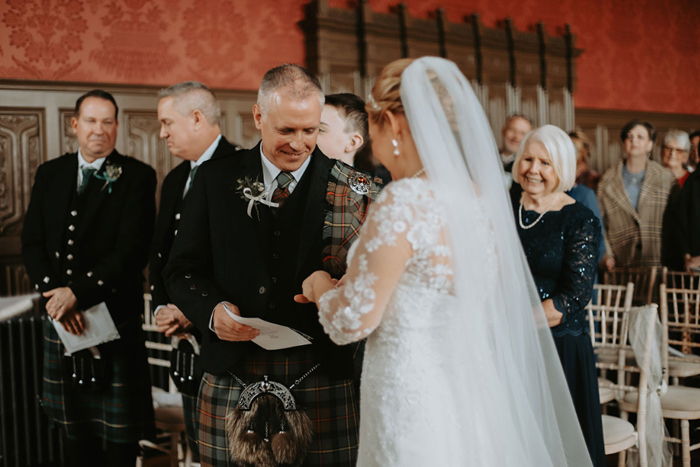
[396, 147]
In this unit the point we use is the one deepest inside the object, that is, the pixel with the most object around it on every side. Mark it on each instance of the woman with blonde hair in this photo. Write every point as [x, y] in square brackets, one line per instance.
[460, 367]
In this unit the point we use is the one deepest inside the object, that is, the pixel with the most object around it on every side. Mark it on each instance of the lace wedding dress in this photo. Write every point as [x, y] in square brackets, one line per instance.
[460, 367]
[401, 296]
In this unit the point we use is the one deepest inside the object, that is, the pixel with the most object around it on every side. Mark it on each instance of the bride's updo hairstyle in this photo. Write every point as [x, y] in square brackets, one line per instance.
[386, 92]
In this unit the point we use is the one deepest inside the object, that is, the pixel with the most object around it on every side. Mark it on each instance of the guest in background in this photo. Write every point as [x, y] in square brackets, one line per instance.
[681, 235]
[633, 195]
[344, 134]
[674, 154]
[343, 131]
[584, 175]
[85, 242]
[189, 117]
[694, 157]
[516, 127]
[561, 238]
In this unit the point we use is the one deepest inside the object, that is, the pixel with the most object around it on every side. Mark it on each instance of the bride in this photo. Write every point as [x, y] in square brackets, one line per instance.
[460, 367]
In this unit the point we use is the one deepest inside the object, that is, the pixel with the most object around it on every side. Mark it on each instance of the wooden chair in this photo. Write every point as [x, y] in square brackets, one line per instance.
[609, 298]
[683, 363]
[613, 324]
[169, 416]
[680, 403]
[644, 280]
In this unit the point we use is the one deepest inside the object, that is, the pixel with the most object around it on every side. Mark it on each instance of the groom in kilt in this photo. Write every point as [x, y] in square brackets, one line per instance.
[85, 241]
[248, 252]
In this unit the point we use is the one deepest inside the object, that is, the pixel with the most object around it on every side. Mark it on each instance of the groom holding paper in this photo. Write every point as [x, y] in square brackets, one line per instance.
[85, 243]
[258, 224]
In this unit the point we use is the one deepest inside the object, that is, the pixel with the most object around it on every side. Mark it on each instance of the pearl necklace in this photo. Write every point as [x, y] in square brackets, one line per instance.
[418, 174]
[520, 214]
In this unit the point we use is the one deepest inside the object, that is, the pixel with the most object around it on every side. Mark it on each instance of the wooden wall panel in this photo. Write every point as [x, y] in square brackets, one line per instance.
[21, 151]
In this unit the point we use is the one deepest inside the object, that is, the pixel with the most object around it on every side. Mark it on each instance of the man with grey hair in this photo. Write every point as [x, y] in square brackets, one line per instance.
[514, 130]
[257, 225]
[674, 154]
[189, 115]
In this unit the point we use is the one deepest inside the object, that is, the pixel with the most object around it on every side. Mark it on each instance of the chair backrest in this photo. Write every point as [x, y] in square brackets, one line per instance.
[619, 320]
[680, 317]
[158, 348]
[606, 312]
[644, 280]
[679, 280]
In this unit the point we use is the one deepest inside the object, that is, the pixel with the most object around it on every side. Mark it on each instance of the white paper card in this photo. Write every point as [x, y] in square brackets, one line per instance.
[99, 328]
[272, 336]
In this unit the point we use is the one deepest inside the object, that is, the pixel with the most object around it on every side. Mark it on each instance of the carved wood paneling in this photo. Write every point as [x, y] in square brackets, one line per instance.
[22, 149]
[250, 135]
[512, 71]
[69, 142]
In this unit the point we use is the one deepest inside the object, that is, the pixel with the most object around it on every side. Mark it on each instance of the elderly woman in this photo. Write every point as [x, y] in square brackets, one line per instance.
[633, 195]
[675, 152]
[561, 238]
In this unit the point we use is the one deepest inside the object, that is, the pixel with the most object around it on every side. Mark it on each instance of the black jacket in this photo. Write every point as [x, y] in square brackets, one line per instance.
[96, 243]
[167, 223]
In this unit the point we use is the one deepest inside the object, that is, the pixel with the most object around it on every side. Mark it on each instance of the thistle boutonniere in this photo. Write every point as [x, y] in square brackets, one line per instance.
[255, 193]
[111, 175]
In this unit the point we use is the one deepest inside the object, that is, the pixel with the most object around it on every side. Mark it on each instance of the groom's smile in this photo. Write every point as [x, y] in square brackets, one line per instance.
[289, 124]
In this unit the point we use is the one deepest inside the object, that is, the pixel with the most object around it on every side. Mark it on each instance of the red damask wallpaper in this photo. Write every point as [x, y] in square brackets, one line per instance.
[639, 54]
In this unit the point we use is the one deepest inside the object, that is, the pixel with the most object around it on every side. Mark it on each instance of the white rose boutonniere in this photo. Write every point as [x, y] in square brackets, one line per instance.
[255, 193]
[111, 175]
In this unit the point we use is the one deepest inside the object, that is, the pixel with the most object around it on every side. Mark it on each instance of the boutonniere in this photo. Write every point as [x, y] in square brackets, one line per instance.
[111, 175]
[254, 192]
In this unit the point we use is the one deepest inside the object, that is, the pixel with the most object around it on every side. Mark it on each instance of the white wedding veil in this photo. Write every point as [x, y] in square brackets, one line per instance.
[512, 402]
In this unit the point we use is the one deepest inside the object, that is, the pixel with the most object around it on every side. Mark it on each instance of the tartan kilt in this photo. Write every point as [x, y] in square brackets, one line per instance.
[330, 404]
[121, 410]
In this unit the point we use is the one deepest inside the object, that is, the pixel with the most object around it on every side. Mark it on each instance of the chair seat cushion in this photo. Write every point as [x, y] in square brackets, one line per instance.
[619, 434]
[679, 402]
[683, 369]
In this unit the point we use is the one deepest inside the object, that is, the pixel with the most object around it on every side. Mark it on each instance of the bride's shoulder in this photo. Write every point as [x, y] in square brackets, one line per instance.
[406, 190]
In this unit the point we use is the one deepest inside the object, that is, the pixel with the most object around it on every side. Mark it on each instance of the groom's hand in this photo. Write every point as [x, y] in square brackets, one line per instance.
[228, 329]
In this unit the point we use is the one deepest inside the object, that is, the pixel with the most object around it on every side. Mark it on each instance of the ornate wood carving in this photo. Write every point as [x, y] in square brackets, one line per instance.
[69, 142]
[22, 149]
[512, 71]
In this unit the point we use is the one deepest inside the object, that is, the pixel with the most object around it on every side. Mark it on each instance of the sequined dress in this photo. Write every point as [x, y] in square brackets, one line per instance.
[562, 251]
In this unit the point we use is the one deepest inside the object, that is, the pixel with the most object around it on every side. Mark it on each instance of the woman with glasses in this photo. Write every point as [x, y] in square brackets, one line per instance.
[674, 154]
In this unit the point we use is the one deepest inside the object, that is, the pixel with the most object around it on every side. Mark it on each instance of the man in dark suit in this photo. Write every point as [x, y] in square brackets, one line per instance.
[85, 241]
[237, 251]
[189, 115]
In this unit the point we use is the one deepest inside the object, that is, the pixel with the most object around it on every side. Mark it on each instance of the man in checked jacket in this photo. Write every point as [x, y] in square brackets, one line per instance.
[237, 251]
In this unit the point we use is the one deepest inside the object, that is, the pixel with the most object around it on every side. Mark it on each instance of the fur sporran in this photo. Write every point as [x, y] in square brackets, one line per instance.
[266, 429]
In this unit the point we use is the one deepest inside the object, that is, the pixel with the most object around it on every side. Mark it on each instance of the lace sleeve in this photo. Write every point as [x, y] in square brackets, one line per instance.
[578, 273]
[351, 312]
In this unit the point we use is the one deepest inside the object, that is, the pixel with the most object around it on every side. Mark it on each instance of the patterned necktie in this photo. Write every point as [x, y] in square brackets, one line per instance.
[193, 172]
[88, 172]
[281, 193]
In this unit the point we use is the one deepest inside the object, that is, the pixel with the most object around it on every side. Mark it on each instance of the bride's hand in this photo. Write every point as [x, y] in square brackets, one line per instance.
[314, 286]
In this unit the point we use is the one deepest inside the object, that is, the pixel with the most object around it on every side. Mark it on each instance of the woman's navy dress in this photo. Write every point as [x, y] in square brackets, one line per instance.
[562, 251]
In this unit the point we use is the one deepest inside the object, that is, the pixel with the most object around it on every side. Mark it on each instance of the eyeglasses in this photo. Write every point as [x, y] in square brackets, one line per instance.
[674, 151]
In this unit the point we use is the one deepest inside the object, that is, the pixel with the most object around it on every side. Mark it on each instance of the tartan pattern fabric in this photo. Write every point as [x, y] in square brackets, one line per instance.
[330, 404]
[121, 413]
[189, 408]
[281, 193]
[632, 236]
[345, 214]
